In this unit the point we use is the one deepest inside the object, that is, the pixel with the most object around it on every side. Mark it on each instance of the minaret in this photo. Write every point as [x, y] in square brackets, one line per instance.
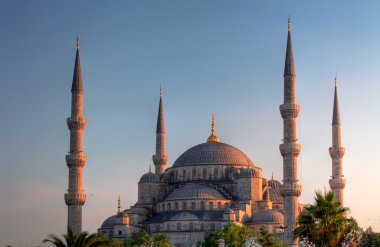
[75, 160]
[160, 158]
[337, 182]
[290, 149]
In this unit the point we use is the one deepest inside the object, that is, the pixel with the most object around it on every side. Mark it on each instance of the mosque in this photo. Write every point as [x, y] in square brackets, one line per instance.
[209, 185]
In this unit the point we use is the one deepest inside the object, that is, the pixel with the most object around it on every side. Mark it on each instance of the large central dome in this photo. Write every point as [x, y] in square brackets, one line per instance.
[213, 153]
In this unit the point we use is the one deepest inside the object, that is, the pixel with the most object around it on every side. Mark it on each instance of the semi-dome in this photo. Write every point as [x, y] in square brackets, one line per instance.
[109, 222]
[149, 177]
[195, 191]
[270, 216]
[213, 153]
[184, 216]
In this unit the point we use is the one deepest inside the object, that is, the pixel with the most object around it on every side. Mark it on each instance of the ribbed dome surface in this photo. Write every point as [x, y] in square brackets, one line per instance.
[268, 216]
[109, 222]
[149, 177]
[274, 184]
[213, 153]
[195, 191]
[275, 195]
[184, 216]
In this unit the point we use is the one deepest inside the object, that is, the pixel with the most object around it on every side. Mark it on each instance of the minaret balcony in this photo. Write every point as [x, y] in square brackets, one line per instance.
[291, 189]
[336, 152]
[76, 122]
[289, 110]
[337, 183]
[290, 149]
[160, 159]
[75, 159]
[75, 198]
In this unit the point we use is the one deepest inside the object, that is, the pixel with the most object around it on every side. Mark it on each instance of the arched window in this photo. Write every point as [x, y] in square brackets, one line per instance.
[193, 205]
[203, 205]
[191, 226]
[176, 205]
[157, 228]
[184, 205]
[216, 173]
[202, 226]
[226, 174]
[183, 174]
[211, 205]
[169, 206]
[219, 204]
[179, 226]
[204, 173]
[212, 226]
[176, 175]
[194, 175]
[168, 226]
[163, 207]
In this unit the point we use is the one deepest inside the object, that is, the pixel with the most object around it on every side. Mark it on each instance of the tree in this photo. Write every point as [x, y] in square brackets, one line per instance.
[232, 234]
[369, 239]
[325, 222]
[161, 240]
[267, 239]
[70, 240]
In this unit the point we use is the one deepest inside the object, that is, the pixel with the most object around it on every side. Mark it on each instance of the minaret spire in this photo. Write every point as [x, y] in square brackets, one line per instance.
[337, 182]
[75, 198]
[290, 149]
[118, 204]
[160, 158]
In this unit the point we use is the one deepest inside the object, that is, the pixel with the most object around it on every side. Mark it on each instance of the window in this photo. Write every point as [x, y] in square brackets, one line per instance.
[176, 205]
[213, 227]
[163, 207]
[191, 226]
[169, 206]
[211, 205]
[119, 232]
[157, 228]
[178, 226]
[202, 226]
[216, 173]
[184, 174]
[193, 205]
[168, 226]
[203, 205]
[184, 205]
[219, 205]
[204, 173]
[194, 174]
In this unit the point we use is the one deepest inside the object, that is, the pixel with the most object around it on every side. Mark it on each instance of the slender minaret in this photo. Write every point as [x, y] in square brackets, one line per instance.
[75, 160]
[160, 158]
[290, 149]
[337, 182]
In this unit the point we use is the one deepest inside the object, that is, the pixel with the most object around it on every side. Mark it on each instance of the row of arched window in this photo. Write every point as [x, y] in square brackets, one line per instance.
[180, 226]
[185, 205]
[194, 175]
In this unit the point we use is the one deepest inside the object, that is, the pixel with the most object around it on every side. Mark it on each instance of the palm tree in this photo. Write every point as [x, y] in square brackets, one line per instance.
[70, 240]
[325, 222]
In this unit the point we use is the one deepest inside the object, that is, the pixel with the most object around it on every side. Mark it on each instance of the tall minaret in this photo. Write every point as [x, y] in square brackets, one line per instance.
[290, 149]
[337, 182]
[160, 158]
[75, 160]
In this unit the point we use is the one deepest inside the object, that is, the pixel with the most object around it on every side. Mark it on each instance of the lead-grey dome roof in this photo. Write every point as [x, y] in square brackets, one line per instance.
[213, 153]
[149, 177]
[268, 216]
[184, 216]
[195, 191]
[109, 222]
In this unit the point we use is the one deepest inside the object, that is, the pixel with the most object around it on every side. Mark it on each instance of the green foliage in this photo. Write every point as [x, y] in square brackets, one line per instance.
[143, 239]
[70, 240]
[161, 240]
[325, 223]
[234, 235]
[369, 239]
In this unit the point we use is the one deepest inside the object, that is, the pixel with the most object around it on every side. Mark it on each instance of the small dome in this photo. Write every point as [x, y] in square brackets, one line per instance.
[149, 177]
[274, 184]
[247, 173]
[195, 191]
[268, 216]
[274, 194]
[213, 153]
[184, 216]
[109, 222]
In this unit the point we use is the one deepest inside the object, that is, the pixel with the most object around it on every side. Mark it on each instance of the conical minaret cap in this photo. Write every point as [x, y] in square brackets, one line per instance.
[336, 113]
[77, 85]
[160, 119]
[289, 61]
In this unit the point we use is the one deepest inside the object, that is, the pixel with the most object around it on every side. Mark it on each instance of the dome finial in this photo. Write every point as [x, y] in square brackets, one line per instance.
[77, 41]
[161, 90]
[272, 176]
[213, 137]
[150, 169]
[118, 205]
[335, 79]
[289, 24]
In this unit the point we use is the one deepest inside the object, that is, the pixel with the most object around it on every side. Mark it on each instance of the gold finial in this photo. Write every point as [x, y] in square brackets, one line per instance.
[150, 169]
[272, 176]
[118, 205]
[77, 41]
[213, 137]
[289, 23]
[335, 79]
[160, 90]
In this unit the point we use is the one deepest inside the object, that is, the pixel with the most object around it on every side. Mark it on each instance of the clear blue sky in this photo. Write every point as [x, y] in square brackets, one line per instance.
[222, 57]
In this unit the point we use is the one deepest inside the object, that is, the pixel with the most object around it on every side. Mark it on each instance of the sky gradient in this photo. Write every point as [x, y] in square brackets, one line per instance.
[222, 57]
